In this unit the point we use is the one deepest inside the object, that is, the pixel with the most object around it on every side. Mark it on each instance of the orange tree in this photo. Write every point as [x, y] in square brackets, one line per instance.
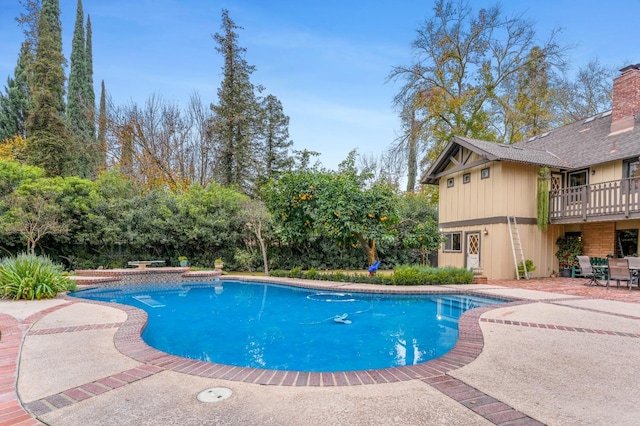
[308, 204]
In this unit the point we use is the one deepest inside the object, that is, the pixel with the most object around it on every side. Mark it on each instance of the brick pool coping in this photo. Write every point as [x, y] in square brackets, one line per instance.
[128, 341]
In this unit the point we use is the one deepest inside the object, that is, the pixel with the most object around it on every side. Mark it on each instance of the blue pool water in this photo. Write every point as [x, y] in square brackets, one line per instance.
[283, 328]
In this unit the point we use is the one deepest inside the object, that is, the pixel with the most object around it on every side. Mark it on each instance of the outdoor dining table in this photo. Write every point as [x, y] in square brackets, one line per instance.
[604, 269]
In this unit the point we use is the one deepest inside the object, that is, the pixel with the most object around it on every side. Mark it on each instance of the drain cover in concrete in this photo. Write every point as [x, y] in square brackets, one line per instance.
[214, 395]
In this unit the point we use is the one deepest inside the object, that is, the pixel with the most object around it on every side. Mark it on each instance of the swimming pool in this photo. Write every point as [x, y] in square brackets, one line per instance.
[278, 327]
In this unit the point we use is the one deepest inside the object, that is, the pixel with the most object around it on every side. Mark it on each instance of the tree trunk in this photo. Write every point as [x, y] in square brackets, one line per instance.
[412, 154]
[263, 249]
[369, 247]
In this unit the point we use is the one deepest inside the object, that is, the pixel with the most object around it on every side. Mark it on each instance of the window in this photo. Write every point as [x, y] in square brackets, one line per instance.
[466, 178]
[556, 183]
[452, 241]
[578, 178]
[631, 168]
[450, 183]
[484, 173]
[626, 242]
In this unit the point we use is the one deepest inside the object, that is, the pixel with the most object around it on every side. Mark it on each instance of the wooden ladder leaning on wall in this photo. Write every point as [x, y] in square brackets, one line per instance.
[516, 248]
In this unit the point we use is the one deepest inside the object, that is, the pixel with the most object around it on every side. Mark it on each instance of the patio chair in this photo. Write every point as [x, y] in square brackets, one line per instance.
[587, 270]
[599, 265]
[634, 265]
[619, 271]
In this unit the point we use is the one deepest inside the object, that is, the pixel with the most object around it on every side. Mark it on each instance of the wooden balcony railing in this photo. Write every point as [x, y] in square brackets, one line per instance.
[614, 200]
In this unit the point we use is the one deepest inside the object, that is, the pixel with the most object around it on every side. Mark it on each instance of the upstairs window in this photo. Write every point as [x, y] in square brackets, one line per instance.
[577, 178]
[631, 168]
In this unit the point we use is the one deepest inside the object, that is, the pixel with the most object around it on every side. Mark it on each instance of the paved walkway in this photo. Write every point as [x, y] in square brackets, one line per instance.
[565, 354]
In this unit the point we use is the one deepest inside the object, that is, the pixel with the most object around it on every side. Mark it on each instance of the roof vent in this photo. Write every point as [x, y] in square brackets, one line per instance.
[532, 139]
[589, 120]
[544, 135]
[606, 113]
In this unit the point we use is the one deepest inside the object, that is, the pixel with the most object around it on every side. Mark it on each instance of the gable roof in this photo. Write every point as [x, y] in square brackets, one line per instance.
[575, 146]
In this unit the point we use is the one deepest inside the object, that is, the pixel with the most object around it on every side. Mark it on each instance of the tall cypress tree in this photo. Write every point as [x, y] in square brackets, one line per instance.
[102, 129]
[16, 103]
[48, 144]
[81, 99]
[76, 97]
[89, 90]
[77, 77]
[234, 114]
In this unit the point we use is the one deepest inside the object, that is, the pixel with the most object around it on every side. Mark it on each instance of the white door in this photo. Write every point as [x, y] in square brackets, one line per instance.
[473, 250]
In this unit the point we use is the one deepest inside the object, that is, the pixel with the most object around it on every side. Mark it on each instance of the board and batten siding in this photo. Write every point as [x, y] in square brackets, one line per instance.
[509, 191]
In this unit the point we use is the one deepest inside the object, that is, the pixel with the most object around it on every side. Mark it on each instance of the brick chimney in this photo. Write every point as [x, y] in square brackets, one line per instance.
[626, 98]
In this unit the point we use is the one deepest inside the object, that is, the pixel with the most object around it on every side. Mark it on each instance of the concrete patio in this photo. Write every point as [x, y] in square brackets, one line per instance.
[565, 354]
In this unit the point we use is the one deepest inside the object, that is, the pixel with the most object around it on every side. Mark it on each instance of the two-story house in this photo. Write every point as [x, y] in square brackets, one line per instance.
[594, 191]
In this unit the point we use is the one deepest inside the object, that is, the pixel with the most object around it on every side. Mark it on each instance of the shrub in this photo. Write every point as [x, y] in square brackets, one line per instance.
[427, 275]
[32, 277]
[402, 275]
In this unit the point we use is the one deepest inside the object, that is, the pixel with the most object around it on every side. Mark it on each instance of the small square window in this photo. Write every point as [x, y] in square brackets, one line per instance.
[452, 242]
[466, 178]
[484, 173]
[450, 183]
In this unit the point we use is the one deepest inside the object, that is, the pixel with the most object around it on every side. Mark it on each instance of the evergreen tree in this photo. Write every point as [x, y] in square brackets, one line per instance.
[89, 90]
[77, 77]
[48, 144]
[16, 103]
[273, 129]
[102, 130]
[234, 114]
[81, 101]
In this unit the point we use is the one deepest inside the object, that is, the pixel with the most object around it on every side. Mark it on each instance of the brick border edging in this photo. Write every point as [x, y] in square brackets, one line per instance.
[128, 341]
[12, 411]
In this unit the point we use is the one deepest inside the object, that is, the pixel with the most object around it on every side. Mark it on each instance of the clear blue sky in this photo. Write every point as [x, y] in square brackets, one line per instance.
[327, 61]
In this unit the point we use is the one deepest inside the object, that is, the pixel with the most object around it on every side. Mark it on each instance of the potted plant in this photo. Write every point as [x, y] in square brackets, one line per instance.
[183, 261]
[218, 264]
[528, 263]
[568, 250]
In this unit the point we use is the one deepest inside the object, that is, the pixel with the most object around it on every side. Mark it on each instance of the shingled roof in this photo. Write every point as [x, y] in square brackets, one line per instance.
[491, 151]
[579, 145]
[589, 142]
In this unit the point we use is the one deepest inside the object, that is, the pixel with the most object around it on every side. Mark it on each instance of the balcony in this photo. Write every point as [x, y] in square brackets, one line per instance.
[614, 200]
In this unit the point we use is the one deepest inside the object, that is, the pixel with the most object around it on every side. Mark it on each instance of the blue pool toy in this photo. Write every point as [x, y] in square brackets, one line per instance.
[373, 268]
